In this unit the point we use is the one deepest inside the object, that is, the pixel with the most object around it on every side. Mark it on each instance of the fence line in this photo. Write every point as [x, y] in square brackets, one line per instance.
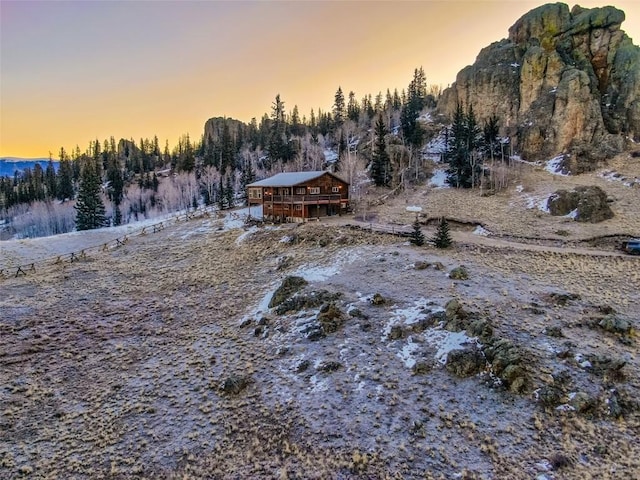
[76, 256]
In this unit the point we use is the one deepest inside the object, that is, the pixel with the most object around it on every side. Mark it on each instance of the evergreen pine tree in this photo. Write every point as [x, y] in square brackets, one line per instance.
[463, 149]
[381, 162]
[65, 179]
[339, 109]
[417, 237]
[353, 108]
[277, 146]
[415, 102]
[50, 180]
[442, 238]
[90, 211]
[116, 188]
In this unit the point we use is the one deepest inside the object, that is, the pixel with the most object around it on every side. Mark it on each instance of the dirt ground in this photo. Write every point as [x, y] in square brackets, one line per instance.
[162, 359]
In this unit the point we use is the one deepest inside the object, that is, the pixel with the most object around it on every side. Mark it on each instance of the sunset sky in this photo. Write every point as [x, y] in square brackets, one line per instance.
[71, 72]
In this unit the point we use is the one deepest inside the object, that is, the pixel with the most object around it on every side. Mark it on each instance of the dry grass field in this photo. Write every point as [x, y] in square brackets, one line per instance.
[162, 359]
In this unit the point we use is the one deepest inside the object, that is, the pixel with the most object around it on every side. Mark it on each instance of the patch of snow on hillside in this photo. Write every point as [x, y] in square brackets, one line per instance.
[554, 166]
[613, 176]
[241, 238]
[435, 148]
[406, 353]
[426, 117]
[447, 341]
[572, 214]
[233, 220]
[537, 201]
[409, 315]
[439, 179]
[480, 230]
[317, 273]
[330, 156]
[263, 306]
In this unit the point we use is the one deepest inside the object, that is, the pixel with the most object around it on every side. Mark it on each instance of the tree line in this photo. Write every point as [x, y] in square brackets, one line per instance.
[381, 137]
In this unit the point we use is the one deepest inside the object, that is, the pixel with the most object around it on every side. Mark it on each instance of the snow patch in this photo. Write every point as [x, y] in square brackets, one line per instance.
[572, 214]
[318, 385]
[540, 202]
[408, 316]
[436, 147]
[330, 156]
[480, 230]
[613, 176]
[316, 273]
[554, 166]
[405, 354]
[246, 234]
[439, 179]
[447, 342]
[263, 306]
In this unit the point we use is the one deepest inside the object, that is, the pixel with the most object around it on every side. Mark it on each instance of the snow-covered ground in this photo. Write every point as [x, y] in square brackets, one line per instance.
[555, 166]
[613, 176]
[532, 201]
[439, 178]
[36, 250]
[134, 349]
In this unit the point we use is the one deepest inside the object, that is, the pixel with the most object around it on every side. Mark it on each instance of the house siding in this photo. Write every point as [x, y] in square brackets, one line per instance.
[330, 197]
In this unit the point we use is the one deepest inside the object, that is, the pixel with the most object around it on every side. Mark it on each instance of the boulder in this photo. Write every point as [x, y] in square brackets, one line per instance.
[289, 286]
[330, 366]
[563, 81]
[302, 301]
[330, 318]
[585, 204]
[459, 273]
[581, 402]
[466, 362]
[234, 384]
[377, 300]
[614, 324]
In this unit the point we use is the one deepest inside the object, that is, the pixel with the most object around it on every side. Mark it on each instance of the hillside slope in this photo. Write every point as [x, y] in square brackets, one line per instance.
[162, 359]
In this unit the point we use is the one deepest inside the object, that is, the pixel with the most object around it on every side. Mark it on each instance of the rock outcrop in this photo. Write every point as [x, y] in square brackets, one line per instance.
[585, 204]
[562, 82]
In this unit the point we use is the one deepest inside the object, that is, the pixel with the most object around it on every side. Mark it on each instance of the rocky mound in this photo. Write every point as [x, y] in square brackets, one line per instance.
[563, 81]
[586, 204]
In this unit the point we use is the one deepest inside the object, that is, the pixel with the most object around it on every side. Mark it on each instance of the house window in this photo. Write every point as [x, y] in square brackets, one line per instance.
[298, 207]
[301, 191]
[284, 191]
[314, 190]
[255, 193]
[335, 189]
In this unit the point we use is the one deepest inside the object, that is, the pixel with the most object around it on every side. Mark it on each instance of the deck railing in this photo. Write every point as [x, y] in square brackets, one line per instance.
[309, 199]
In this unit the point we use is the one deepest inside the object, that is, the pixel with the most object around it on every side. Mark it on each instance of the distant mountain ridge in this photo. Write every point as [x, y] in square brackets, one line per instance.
[9, 165]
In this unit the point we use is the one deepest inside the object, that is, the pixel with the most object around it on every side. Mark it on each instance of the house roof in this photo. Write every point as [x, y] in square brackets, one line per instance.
[290, 179]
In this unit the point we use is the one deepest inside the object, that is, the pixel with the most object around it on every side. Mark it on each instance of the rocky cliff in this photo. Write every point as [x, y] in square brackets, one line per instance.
[562, 82]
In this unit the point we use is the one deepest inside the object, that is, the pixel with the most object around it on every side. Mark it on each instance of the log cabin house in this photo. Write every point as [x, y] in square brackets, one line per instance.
[300, 196]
